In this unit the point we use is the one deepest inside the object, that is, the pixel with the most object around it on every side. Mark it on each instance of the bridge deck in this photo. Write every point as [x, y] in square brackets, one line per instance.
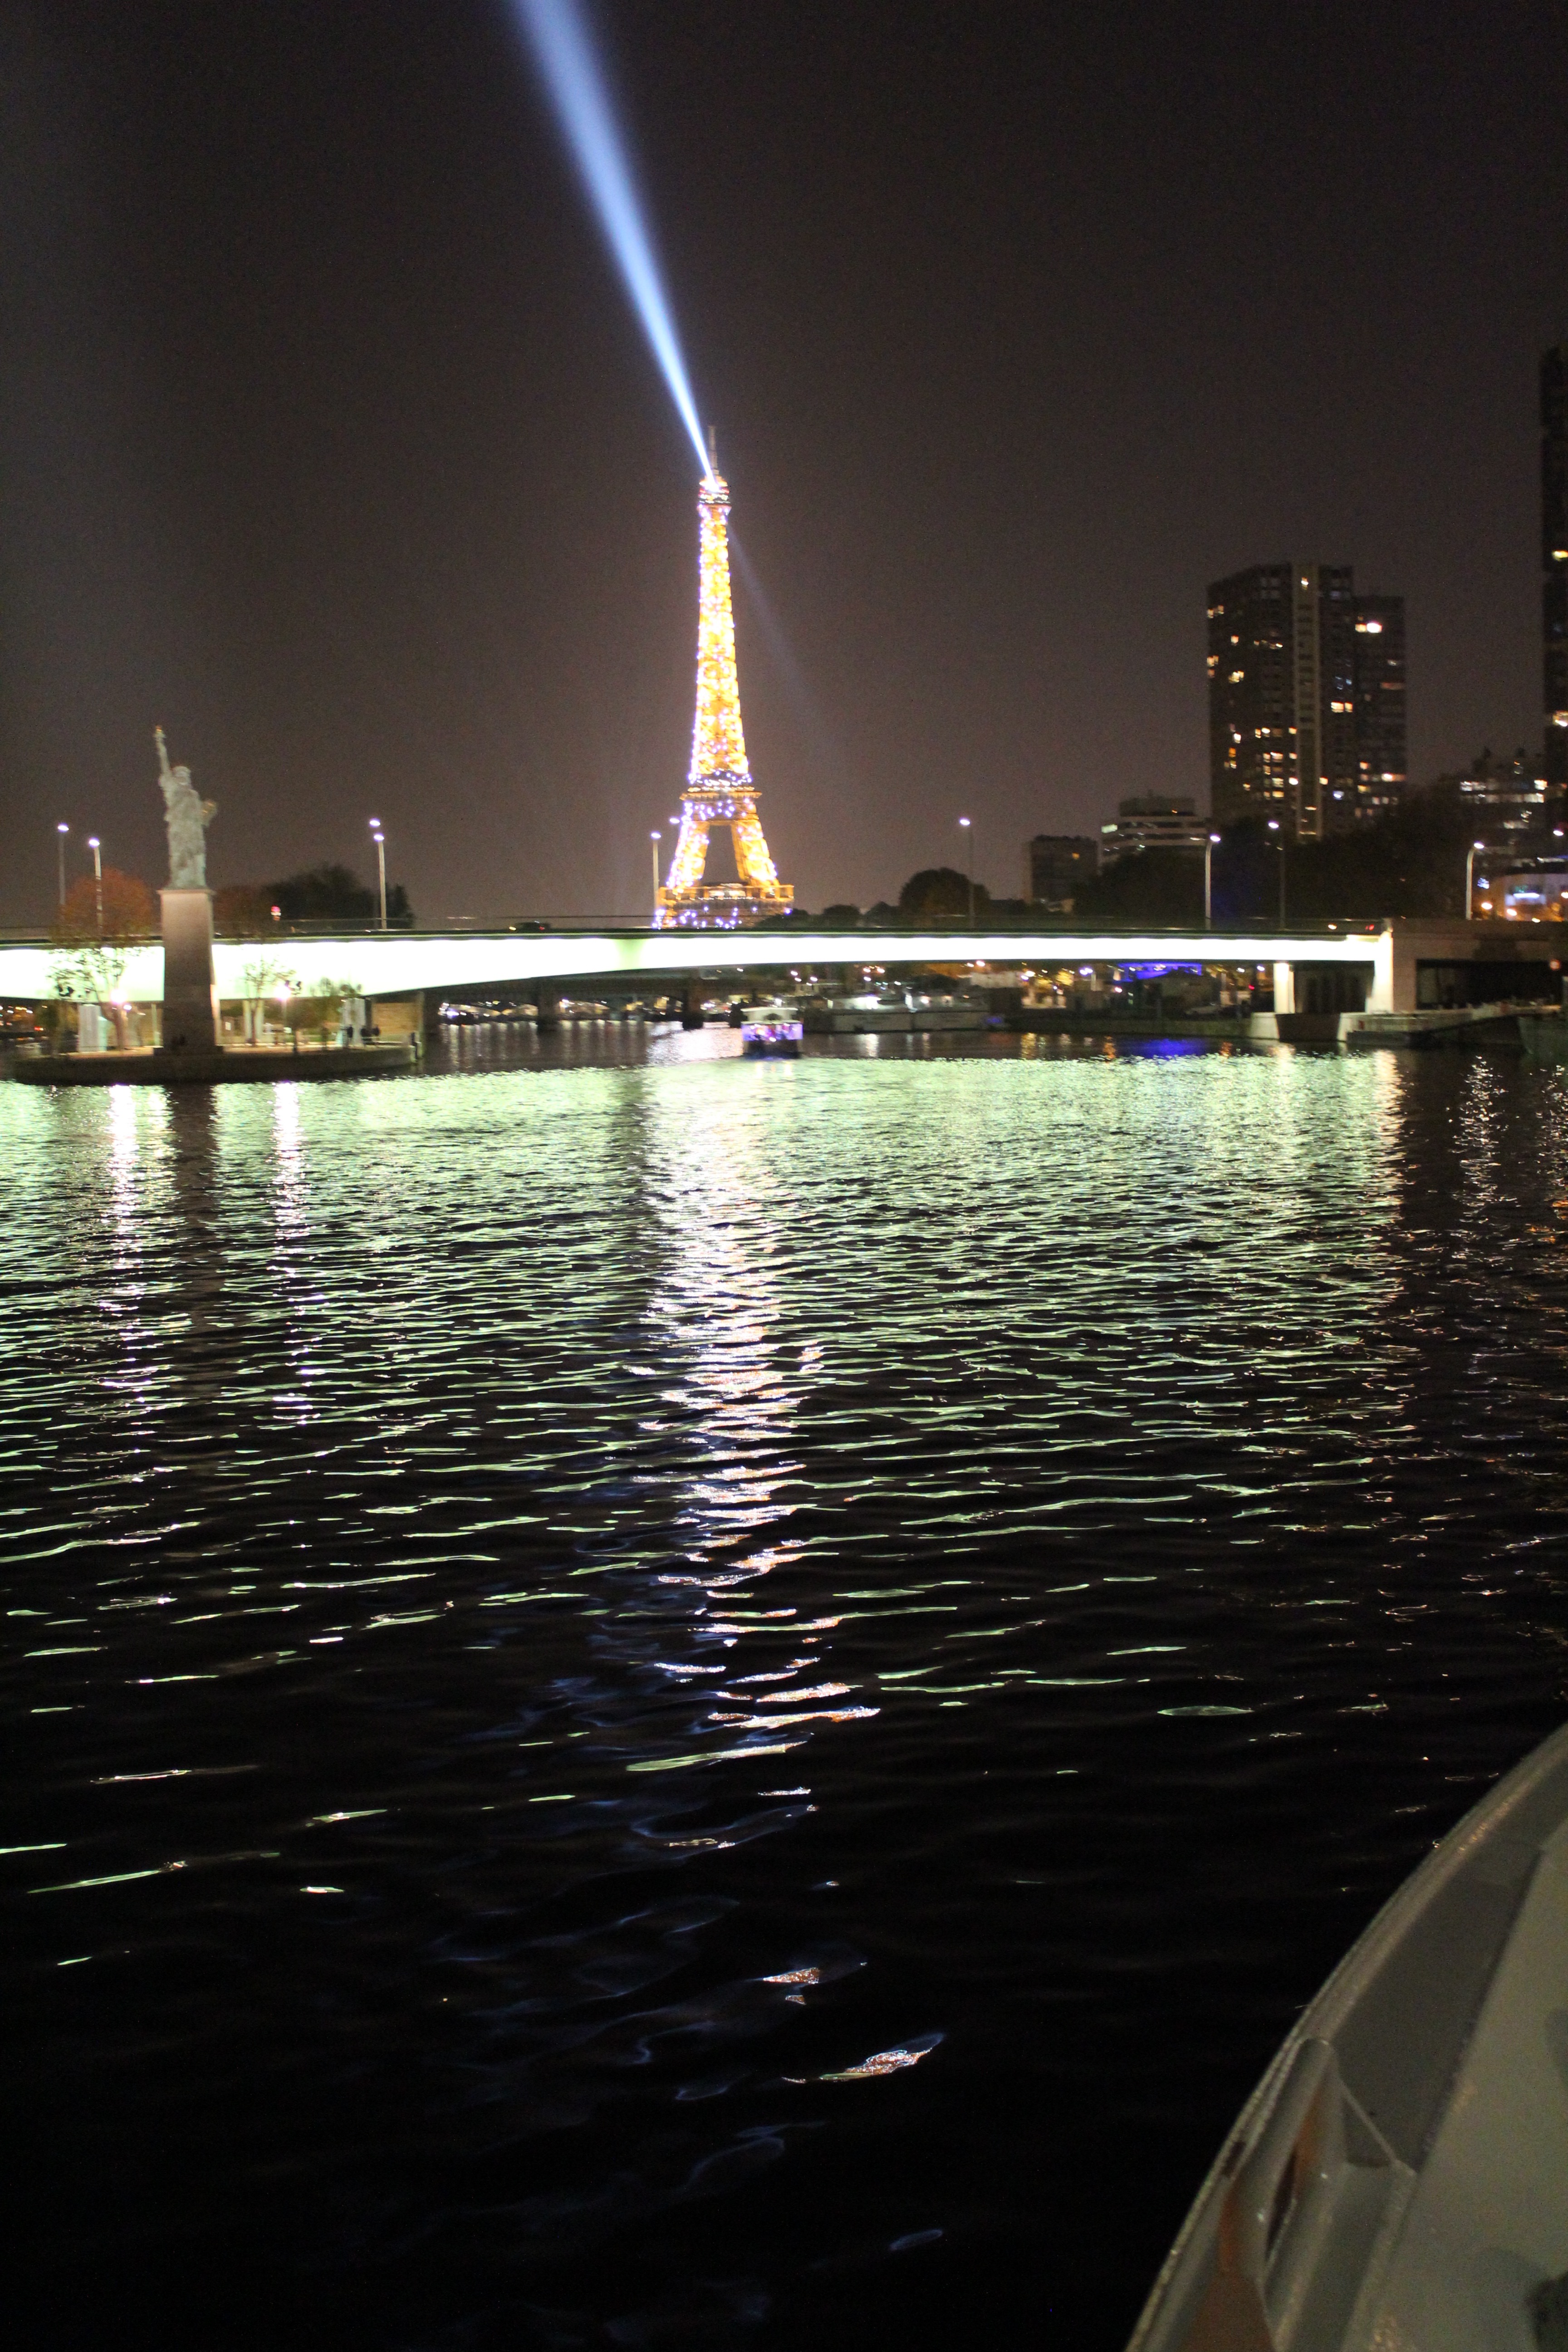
[446, 963]
[396, 963]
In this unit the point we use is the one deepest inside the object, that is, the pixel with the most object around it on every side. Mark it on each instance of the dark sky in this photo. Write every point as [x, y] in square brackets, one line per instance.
[327, 437]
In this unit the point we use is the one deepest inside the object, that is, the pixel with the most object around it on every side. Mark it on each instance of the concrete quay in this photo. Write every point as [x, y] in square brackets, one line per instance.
[236, 1065]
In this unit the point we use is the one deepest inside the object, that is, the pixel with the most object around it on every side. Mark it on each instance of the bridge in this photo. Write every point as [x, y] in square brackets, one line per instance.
[387, 964]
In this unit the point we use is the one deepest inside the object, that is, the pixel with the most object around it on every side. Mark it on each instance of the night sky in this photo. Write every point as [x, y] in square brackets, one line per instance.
[328, 437]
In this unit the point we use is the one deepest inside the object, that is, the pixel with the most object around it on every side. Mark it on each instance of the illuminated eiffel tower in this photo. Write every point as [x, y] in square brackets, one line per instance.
[719, 790]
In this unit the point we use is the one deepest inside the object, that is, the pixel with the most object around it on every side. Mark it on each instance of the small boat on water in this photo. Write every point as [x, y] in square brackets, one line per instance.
[774, 1030]
[1398, 2181]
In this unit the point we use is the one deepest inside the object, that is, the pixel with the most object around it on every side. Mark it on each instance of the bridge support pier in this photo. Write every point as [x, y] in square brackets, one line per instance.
[1284, 988]
[691, 1002]
[547, 1007]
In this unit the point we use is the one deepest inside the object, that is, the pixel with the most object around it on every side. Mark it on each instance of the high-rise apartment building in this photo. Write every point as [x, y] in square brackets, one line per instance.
[1306, 698]
[1377, 687]
[1554, 557]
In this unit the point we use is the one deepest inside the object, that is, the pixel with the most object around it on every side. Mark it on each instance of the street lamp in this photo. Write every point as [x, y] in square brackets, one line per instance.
[97, 878]
[379, 839]
[968, 831]
[1470, 880]
[654, 840]
[1279, 845]
[61, 833]
[1208, 881]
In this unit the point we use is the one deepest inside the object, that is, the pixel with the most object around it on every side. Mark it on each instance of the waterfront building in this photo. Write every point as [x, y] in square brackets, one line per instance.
[1056, 865]
[1554, 557]
[1507, 797]
[720, 796]
[1152, 821]
[1307, 698]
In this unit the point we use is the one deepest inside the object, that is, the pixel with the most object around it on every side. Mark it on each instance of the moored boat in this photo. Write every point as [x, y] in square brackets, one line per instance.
[1398, 2181]
[772, 1031]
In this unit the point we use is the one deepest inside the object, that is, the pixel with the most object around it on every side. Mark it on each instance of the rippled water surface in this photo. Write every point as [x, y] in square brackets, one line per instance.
[694, 1703]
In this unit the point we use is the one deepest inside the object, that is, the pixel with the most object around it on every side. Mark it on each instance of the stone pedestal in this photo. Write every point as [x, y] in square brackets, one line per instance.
[190, 996]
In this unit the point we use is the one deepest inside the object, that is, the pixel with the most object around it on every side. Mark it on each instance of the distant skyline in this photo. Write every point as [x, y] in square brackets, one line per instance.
[328, 440]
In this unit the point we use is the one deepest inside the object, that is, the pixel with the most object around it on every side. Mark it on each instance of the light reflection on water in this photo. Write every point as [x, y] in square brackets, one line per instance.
[672, 1700]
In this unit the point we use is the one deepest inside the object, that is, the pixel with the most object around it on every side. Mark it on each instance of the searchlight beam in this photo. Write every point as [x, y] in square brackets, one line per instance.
[560, 37]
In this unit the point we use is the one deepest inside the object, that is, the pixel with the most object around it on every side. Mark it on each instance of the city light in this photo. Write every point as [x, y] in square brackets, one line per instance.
[379, 839]
[563, 50]
[1469, 878]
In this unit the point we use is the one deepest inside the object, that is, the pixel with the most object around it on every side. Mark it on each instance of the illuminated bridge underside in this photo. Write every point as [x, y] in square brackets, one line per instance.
[403, 963]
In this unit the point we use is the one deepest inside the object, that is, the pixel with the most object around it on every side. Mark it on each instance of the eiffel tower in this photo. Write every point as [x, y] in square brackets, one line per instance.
[719, 790]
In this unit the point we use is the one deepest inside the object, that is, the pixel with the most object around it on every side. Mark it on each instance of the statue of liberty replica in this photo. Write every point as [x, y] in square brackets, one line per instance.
[188, 817]
[190, 997]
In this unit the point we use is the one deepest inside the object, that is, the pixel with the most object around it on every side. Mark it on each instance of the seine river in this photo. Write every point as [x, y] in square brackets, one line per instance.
[661, 1701]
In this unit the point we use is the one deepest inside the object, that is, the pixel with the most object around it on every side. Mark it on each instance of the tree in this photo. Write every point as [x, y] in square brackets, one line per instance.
[782, 921]
[87, 975]
[1161, 887]
[324, 894]
[263, 977]
[128, 910]
[243, 911]
[91, 963]
[840, 918]
[939, 894]
[1412, 862]
[334, 894]
[323, 1010]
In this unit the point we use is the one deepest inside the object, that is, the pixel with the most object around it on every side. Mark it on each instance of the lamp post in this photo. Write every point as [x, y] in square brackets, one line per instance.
[1470, 880]
[61, 833]
[1208, 881]
[379, 839]
[967, 829]
[1279, 845]
[653, 840]
[97, 878]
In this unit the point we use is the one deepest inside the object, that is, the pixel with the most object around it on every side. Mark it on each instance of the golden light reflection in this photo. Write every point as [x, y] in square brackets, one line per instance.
[733, 1400]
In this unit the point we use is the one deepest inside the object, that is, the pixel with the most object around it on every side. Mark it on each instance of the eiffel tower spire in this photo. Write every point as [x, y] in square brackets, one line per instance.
[718, 791]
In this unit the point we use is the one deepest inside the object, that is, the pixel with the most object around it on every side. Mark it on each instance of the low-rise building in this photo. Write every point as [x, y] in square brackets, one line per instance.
[1056, 865]
[1153, 821]
[1537, 893]
[1508, 796]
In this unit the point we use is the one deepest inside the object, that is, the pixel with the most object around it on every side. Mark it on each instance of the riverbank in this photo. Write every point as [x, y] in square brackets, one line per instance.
[232, 1066]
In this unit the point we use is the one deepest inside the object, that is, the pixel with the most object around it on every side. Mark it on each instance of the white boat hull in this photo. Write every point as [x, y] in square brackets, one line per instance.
[1399, 2180]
